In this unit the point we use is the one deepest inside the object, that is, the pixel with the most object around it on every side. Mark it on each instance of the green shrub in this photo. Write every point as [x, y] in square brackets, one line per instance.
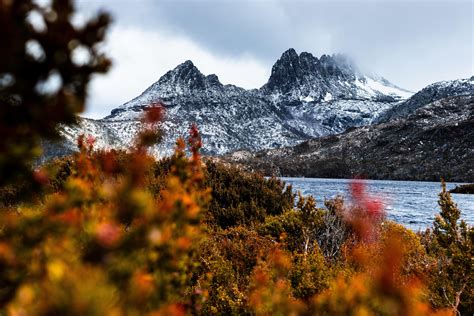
[245, 198]
[450, 245]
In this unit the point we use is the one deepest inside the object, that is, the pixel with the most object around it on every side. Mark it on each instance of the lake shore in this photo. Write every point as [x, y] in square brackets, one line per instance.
[411, 203]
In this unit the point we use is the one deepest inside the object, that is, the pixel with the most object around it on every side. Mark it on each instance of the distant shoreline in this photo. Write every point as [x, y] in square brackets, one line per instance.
[460, 183]
[463, 189]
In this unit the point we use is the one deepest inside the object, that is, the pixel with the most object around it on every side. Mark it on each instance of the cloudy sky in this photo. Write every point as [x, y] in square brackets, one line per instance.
[410, 42]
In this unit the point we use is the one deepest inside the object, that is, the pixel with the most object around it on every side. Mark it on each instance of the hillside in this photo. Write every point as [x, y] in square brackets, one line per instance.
[435, 141]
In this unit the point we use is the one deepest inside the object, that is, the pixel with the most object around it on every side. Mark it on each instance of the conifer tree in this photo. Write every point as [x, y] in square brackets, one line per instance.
[453, 249]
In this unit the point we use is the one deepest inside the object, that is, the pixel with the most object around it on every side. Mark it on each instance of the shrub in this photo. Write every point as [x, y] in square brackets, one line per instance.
[244, 198]
[310, 274]
[228, 258]
[450, 245]
[137, 251]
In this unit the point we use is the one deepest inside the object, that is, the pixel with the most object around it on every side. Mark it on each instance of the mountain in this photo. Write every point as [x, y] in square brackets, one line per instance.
[431, 93]
[106, 135]
[305, 97]
[435, 140]
[305, 77]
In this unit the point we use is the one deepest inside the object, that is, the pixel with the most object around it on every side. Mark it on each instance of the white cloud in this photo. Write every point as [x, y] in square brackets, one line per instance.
[140, 57]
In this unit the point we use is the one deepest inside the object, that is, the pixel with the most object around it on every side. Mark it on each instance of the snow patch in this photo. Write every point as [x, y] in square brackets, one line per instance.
[307, 99]
[371, 87]
[328, 97]
[388, 90]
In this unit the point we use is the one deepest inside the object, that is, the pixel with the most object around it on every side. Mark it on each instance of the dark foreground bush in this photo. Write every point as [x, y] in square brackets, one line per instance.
[245, 198]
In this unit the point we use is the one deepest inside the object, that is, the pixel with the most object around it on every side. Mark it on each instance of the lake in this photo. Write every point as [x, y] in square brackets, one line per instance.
[411, 203]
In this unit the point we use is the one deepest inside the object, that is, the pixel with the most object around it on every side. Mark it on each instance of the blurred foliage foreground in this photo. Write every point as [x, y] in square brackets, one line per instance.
[119, 233]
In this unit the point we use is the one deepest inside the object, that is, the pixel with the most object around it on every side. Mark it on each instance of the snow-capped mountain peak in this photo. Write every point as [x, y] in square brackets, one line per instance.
[305, 97]
[301, 76]
[185, 78]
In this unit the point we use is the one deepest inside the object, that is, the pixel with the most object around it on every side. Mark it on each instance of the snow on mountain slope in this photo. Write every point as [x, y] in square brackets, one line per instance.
[435, 141]
[305, 97]
[334, 117]
[429, 94]
[106, 136]
[374, 88]
[305, 76]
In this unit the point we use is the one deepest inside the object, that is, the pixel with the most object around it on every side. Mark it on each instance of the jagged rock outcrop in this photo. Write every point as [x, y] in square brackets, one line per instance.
[305, 77]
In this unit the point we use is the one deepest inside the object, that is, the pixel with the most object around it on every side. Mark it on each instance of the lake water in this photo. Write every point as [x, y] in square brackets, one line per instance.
[411, 203]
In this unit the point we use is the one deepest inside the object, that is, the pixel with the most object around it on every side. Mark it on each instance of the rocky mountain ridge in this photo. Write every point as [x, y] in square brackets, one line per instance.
[305, 97]
[431, 93]
[303, 77]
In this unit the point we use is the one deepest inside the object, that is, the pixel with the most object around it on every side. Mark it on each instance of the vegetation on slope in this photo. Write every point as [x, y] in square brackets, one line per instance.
[116, 231]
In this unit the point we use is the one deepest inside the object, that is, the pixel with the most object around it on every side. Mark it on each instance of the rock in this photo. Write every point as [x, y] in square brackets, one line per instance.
[463, 189]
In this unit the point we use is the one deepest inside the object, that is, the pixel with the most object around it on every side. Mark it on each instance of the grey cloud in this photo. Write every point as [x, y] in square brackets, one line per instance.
[412, 43]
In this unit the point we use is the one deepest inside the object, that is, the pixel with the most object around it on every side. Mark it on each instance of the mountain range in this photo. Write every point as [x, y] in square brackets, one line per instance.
[305, 98]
